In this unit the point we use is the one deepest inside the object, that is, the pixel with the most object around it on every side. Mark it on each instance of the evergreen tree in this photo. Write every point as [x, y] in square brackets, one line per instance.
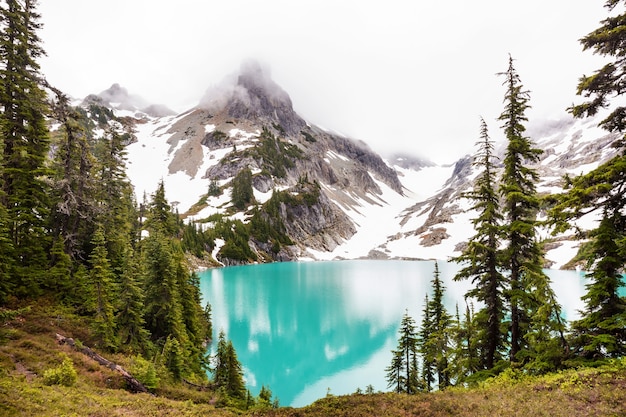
[440, 325]
[160, 219]
[24, 144]
[103, 293]
[235, 387]
[404, 359]
[600, 332]
[132, 334]
[408, 345]
[74, 191]
[533, 307]
[481, 258]
[426, 347]
[227, 373]
[59, 274]
[163, 308]
[242, 194]
[395, 372]
[173, 357]
[220, 365]
[117, 210]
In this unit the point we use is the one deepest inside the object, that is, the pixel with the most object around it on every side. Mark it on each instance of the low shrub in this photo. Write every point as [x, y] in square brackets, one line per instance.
[64, 374]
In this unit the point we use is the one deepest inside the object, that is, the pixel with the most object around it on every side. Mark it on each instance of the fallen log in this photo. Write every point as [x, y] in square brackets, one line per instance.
[133, 384]
[198, 387]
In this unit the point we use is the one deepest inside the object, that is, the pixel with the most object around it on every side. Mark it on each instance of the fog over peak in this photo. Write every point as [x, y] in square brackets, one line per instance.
[251, 84]
[252, 94]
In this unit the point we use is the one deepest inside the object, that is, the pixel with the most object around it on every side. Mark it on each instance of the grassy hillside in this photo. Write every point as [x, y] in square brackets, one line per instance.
[28, 348]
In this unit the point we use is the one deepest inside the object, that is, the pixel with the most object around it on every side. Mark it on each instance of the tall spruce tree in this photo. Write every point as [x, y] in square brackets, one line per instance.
[227, 372]
[24, 144]
[74, 191]
[601, 330]
[395, 372]
[481, 260]
[117, 208]
[404, 359]
[533, 307]
[131, 326]
[426, 347]
[102, 293]
[441, 322]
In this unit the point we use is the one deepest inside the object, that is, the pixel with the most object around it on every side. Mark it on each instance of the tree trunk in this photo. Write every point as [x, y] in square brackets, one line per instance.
[133, 384]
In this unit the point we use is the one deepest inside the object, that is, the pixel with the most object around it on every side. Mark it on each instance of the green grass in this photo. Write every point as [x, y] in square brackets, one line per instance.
[28, 348]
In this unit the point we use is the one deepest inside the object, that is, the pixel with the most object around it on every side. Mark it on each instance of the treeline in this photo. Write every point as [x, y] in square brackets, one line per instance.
[70, 228]
[518, 326]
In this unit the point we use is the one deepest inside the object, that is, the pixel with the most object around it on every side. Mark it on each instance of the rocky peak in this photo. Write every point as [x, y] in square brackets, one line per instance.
[254, 96]
[118, 97]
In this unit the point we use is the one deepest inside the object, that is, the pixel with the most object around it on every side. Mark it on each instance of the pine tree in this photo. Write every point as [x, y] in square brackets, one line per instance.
[173, 357]
[408, 344]
[600, 332]
[160, 218]
[440, 324]
[74, 191]
[220, 364]
[163, 308]
[60, 272]
[103, 292]
[533, 307]
[395, 372]
[426, 347]
[132, 334]
[228, 373]
[235, 387]
[116, 197]
[24, 145]
[481, 258]
[242, 194]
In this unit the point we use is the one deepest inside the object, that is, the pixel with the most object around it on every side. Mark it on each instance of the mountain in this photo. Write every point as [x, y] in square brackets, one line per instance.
[117, 98]
[316, 194]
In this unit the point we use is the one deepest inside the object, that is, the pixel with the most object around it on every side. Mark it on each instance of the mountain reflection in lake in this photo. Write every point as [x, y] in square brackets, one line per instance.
[303, 328]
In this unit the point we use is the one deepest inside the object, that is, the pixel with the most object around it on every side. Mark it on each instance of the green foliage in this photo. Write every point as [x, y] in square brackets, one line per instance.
[131, 326]
[308, 137]
[600, 333]
[74, 188]
[24, 145]
[197, 241]
[160, 218]
[64, 374]
[102, 293]
[227, 371]
[276, 156]
[535, 314]
[242, 194]
[214, 189]
[145, 372]
[172, 357]
[236, 235]
[481, 261]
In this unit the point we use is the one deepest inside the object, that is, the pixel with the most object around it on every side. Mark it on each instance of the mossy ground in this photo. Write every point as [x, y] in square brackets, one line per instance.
[28, 347]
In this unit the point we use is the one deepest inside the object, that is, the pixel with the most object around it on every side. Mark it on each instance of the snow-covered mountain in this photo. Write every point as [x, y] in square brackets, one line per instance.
[364, 206]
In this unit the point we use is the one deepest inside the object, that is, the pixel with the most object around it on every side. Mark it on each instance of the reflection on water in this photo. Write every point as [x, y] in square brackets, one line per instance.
[304, 328]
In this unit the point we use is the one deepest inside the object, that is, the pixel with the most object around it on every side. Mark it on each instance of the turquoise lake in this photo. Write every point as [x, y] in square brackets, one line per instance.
[308, 328]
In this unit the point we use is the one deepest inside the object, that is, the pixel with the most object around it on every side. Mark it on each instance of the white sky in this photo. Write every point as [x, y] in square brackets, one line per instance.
[398, 74]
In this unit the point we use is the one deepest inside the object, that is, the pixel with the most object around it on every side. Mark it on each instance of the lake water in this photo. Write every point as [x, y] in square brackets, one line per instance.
[308, 328]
